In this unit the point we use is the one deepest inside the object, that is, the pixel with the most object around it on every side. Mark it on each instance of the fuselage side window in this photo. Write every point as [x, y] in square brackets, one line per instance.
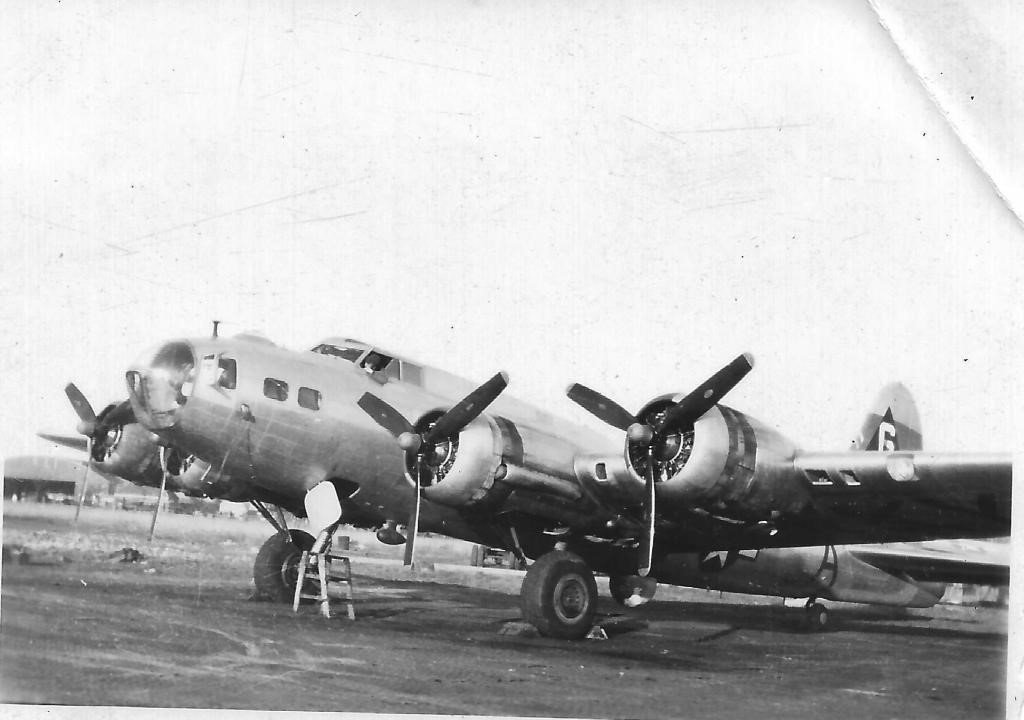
[309, 398]
[227, 373]
[275, 389]
[411, 373]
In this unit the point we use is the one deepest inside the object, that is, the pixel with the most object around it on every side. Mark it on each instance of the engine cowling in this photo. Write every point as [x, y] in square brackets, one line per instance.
[726, 463]
[463, 469]
[493, 457]
[197, 478]
[128, 451]
[131, 452]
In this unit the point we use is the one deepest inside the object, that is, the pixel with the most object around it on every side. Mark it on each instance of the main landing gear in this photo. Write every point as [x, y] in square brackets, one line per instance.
[559, 596]
[815, 616]
[276, 569]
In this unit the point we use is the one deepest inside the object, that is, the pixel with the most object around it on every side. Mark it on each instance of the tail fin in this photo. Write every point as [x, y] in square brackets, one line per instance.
[892, 423]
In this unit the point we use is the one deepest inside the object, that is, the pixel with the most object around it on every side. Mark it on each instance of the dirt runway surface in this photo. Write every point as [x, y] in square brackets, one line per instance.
[179, 631]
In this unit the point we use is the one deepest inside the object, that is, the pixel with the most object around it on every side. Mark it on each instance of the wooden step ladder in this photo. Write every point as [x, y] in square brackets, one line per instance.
[320, 571]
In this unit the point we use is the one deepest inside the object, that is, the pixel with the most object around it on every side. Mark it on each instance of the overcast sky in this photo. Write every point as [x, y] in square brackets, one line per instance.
[625, 195]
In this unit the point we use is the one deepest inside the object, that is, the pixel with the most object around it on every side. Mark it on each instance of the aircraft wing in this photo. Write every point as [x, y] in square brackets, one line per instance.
[949, 561]
[49, 468]
[77, 442]
[860, 497]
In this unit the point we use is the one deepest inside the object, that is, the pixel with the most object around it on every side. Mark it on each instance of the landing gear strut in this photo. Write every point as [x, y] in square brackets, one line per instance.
[559, 596]
[815, 616]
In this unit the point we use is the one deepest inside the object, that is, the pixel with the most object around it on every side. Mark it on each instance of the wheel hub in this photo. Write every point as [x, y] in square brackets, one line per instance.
[571, 599]
[290, 568]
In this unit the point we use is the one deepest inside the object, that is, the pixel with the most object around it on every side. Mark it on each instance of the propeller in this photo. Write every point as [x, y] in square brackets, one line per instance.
[85, 479]
[95, 428]
[82, 408]
[658, 436]
[421, 447]
[163, 485]
[86, 426]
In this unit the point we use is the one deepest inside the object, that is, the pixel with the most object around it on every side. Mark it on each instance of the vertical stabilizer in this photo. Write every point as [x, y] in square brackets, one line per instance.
[892, 423]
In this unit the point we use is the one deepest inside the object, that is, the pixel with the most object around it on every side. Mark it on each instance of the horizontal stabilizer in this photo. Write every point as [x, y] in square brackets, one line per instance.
[964, 561]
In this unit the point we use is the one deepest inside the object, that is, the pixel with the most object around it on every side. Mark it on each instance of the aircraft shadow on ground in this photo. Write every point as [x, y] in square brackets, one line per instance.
[788, 620]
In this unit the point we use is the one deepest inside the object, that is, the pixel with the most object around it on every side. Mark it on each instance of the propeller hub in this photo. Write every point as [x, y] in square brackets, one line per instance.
[668, 447]
[640, 434]
[85, 427]
[410, 442]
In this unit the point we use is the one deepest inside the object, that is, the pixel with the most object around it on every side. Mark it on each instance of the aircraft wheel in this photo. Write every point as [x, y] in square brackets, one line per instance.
[621, 588]
[277, 568]
[559, 596]
[816, 617]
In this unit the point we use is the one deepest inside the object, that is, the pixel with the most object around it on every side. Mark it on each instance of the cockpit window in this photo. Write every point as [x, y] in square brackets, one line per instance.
[275, 389]
[375, 362]
[345, 353]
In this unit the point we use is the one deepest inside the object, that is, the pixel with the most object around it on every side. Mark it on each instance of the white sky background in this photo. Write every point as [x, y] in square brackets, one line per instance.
[621, 195]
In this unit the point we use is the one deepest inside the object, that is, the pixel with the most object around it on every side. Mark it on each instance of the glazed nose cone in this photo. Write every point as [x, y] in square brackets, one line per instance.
[160, 382]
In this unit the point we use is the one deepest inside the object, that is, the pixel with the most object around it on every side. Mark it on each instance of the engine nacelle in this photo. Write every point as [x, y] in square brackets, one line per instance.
[187, 474]
[197, 478]
[727, 464]
[131, 452]
[463, 473]
[492, 458]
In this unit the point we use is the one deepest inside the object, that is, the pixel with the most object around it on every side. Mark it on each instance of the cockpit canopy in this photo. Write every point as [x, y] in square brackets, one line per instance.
[359, 353]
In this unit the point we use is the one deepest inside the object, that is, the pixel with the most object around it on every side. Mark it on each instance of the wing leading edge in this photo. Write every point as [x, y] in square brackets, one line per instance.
[863, 497]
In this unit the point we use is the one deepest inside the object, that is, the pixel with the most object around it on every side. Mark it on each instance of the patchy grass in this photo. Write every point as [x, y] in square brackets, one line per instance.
[50, 529]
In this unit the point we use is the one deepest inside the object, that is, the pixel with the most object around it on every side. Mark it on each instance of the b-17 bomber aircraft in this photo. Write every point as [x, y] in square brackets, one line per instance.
[348, 432]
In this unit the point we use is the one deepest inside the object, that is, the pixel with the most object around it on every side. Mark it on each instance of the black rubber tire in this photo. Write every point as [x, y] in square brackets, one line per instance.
[816, 618]
[620, 587]
[275, 569]
[559, 596]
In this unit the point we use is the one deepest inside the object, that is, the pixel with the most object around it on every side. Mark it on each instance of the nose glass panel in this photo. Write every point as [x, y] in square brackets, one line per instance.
[162, 383]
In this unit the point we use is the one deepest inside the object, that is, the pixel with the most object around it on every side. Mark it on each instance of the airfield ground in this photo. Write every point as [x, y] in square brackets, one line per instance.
[77, 627]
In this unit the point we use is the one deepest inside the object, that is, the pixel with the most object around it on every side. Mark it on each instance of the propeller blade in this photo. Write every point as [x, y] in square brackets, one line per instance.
[646, 548]
[159, 501]
[384, 415]
[599, 406]
[85, 476]
[82, 408]
[120, 414]
[698, 402]
[413, 526]
[467, 410]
